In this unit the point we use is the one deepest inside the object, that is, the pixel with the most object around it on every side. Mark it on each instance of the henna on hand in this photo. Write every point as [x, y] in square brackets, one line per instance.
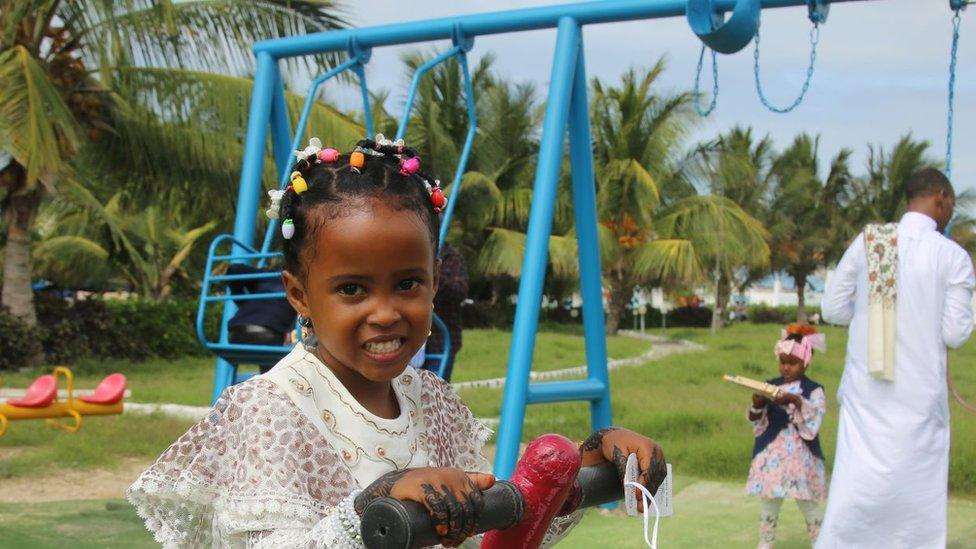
[381, 487]
[595, 441]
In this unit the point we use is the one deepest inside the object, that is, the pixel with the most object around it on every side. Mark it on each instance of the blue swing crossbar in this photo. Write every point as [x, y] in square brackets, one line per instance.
[566, 113]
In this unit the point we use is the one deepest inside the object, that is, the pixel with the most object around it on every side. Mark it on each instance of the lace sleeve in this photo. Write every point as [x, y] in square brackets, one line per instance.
[338, 530]
[254, 464]
[455, 438]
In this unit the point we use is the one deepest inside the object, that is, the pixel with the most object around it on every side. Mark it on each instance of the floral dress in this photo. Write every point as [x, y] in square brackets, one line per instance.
[787, 468]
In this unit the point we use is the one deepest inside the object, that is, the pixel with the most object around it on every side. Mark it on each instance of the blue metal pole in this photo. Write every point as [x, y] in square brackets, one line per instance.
[588, 243]
[537, 246]
[280, 129]
[254, 146]
[465, 151]
[249, 192]
[367, 108]
[417, 75]
[585, 13]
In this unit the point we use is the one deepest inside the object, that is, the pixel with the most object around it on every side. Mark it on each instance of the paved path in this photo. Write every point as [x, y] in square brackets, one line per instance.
[660, 348]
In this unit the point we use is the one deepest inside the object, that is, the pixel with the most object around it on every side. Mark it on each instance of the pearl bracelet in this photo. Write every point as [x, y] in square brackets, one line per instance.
[343, 524]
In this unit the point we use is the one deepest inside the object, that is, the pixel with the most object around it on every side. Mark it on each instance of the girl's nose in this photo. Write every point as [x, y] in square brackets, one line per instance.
[385, 313]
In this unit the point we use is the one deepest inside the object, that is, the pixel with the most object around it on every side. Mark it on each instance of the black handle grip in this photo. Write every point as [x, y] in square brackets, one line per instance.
[389, 523]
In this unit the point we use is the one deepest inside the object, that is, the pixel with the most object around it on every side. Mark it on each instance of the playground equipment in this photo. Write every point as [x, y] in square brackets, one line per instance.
[515, 514]
[566, 112]
[41, 401]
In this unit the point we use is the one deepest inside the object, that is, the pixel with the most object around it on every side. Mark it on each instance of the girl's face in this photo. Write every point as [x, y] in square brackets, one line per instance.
[790, 367]
[369, 290]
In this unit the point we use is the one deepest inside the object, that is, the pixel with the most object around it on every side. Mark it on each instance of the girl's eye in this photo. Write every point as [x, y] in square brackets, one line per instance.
[409, 284]
[351, 290]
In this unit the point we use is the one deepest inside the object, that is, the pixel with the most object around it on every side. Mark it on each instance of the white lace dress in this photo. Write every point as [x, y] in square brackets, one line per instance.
[280, 457]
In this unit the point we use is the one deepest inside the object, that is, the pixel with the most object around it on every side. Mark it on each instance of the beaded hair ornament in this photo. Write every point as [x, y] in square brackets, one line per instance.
[315, 154]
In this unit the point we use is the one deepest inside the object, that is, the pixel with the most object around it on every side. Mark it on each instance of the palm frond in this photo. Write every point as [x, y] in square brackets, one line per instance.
[36, 126]
[668, 261]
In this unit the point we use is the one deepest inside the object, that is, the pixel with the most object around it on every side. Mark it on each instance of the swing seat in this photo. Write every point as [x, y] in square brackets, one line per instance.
[40, 394]
[109, 391]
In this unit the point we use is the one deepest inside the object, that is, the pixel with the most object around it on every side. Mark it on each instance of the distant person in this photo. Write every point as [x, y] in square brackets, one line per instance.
[259, 321]
[906, 291]
[787, 459]
[452, 290]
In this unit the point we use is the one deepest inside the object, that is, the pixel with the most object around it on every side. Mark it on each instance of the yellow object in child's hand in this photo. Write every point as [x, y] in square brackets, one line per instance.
[761, 387]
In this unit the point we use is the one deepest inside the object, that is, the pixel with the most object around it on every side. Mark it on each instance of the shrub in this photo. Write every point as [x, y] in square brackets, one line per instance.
[20, 344]
[690, 317]
[133, 329]
[764, 314]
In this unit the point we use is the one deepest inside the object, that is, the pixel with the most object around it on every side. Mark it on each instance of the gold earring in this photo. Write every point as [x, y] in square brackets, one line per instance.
[430, 333]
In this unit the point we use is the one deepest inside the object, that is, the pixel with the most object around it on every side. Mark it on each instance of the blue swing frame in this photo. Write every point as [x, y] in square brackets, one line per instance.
[566, 112]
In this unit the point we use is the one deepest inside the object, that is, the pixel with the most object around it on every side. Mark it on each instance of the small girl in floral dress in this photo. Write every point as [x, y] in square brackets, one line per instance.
[787, 460]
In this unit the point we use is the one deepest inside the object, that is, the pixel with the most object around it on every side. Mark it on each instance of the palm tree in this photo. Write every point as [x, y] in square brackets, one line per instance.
[637, 136]
[806, 215]
[880, 195]
[738, 168]
[84, 243]
[131, 87]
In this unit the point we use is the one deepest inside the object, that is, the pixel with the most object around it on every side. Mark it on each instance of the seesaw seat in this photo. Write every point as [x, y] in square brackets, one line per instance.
[40, 394]
[109, 391]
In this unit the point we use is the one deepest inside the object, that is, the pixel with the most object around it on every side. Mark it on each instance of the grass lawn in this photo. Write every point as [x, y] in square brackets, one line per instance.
[681, 401]
[705, 511]
[189, 380]
[103, 441]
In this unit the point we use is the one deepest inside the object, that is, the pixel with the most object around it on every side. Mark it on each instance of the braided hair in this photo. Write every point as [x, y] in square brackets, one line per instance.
[376, 172]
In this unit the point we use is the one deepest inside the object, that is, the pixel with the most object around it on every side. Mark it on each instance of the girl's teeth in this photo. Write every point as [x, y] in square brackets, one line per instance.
[384, 346]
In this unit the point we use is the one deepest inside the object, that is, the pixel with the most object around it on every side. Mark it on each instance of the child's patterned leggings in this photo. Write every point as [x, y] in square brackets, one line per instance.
[769, 516]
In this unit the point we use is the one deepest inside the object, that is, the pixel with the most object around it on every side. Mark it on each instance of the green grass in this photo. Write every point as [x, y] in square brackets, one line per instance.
[104, 441]
[485, 352]
[679, 400]
[700, 420]
[190, 380]
[33, 448]
[705, 512]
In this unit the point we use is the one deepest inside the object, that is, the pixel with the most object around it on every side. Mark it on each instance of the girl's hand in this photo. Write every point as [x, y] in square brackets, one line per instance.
[758, 401]
[452, 497]
[614, 444]
[788, 398]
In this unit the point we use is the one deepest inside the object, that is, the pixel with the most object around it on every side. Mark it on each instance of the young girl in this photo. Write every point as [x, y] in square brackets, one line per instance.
[787, 461]
[292, 457]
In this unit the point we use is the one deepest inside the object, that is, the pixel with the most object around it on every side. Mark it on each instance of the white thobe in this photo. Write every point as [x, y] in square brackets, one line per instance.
[889, 483]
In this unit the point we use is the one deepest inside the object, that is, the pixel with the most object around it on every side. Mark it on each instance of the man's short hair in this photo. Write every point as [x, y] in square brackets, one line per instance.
[927, 182]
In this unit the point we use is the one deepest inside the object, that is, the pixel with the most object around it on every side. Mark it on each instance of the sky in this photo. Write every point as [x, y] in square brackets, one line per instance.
[881, 70]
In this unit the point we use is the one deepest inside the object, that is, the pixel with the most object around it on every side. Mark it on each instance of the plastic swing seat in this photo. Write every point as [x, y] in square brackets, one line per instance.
[40, 394]
[109, 391]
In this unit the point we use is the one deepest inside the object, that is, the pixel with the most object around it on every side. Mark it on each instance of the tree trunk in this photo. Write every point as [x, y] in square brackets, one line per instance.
[20, 210]
[801, 304]
[619, 298]
[722, 290]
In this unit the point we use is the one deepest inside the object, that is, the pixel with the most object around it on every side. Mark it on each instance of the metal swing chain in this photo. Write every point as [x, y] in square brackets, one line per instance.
[696, 93]
[814, 40]
[952, 91]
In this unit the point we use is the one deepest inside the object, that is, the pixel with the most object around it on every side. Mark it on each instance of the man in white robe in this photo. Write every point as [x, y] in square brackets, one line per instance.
[889, 484]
